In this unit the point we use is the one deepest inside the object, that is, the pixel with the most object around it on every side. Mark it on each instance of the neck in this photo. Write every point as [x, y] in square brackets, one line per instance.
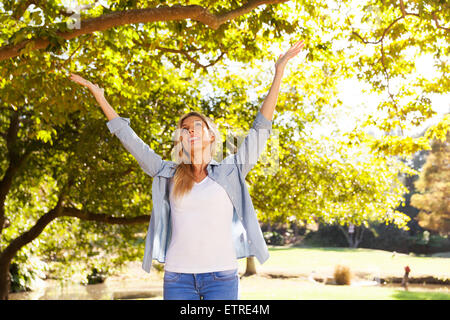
[200, 161]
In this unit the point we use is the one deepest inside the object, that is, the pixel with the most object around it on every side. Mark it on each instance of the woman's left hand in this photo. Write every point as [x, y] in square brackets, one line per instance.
[292, 52]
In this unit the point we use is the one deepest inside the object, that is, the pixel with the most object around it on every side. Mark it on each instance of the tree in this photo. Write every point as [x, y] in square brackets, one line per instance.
[416, 163]
[396, 34]
[433, 188]
[153, 61]
[55, 140]
[331, 183]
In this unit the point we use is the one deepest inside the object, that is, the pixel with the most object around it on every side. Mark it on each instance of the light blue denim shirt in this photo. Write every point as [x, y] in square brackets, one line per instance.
[230, 173]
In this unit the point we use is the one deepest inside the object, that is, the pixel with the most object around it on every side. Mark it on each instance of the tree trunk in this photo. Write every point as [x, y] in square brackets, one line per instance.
[353, 238]
[358, 237]
[15, 245]
[251, 267]
[347, 236]
[4, 278]
[8, 254]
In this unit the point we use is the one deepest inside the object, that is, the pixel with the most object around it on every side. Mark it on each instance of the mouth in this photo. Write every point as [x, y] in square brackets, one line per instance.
[192, 139]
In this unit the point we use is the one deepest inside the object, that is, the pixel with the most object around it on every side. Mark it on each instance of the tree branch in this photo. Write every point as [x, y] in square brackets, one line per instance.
[135, 16]
[74, 51]
[437, 22]
[28, 236]
[386, 75]
[404, 15]
[188, 57]
[381, 41]
[59, 211]
[382, 36]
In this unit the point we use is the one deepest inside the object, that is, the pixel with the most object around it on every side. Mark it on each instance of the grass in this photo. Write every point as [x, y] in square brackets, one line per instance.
[373, 262]
[284, 276]
[276, 289]
[293, 266]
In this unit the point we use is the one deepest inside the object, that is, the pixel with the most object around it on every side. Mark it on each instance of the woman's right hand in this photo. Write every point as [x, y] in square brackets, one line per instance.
[95, 89]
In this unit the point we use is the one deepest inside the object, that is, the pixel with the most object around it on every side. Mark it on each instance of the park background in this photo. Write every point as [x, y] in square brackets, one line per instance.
[361, 177]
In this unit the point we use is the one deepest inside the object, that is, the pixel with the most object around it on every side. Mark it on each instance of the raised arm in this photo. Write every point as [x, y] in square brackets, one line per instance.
[253, 145]
[268, 107]
[256, 140]
[148, 160]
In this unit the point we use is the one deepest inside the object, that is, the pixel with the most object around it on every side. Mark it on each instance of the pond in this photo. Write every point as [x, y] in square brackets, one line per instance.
[132, 284]
[53, 290]
[137, 284]
[151, 290]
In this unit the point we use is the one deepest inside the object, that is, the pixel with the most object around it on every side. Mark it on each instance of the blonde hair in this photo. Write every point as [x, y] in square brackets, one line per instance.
[184, 179]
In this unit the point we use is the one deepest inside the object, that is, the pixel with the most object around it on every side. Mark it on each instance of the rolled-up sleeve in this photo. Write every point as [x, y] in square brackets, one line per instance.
[147, 159]
[261, 122]
[254, 143]
[116, 123]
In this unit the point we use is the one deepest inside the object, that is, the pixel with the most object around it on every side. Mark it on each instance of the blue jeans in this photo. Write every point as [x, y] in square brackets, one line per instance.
[218, 285]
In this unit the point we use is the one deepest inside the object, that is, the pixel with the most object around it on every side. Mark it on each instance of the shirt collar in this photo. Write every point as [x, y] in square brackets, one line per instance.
[213, 162]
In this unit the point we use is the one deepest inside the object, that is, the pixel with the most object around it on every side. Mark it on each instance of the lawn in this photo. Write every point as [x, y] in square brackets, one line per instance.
[373, 262]
[257, 287]
[285, 274]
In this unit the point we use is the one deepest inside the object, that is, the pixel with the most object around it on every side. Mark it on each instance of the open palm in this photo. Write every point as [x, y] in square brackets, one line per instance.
[93, 87]
[292, 52]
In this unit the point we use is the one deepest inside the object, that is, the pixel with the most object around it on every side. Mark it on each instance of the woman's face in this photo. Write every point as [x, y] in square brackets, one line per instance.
[194, 134]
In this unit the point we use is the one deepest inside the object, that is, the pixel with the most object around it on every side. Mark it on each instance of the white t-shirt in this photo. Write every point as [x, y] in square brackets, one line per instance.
[201, 238]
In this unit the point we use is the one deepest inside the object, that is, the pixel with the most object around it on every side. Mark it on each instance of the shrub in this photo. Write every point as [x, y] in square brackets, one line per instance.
[24, 274]
[326, 236]
[389, 237]
[273, 238]
[158, 266]
[97, 276]
[386, 237]
[342, 275]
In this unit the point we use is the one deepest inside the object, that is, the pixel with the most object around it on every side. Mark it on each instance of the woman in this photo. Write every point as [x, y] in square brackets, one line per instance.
[203, 218]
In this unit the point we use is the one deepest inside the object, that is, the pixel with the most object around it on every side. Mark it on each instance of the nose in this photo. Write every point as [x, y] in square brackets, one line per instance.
[191, 133]
[197, 131]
